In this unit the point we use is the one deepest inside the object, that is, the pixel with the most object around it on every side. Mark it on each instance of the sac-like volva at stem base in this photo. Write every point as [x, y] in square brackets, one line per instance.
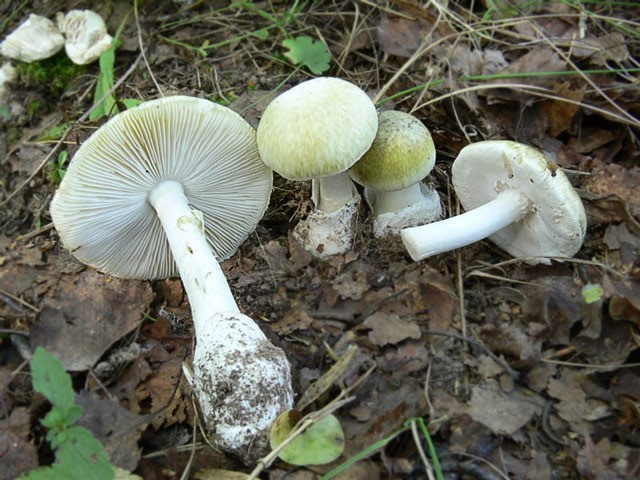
[242, 381]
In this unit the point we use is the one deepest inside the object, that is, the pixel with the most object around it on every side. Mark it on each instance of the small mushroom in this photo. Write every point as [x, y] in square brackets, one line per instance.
[316, 131]
[36, 38]
[85, 35]
[392, 170]
[513, 196]
[173, 186]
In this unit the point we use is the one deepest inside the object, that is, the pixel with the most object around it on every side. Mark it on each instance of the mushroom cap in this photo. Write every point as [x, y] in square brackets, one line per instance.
[36, 38]
[316, 129]
[85, 34]
[101, 209]
[556, 224]
[401, 155]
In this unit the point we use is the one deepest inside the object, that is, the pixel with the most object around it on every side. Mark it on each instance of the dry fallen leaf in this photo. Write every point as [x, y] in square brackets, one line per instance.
[17, 454]
[114, 426]
[87, 314]
[389, 329]
[504, 413]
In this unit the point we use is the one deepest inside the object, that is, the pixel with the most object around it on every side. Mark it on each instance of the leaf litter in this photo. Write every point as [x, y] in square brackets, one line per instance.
[544, 385]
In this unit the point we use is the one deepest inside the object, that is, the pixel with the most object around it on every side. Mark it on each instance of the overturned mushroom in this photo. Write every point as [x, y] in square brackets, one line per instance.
[512, 196]
[85, 35]
[36, 38]
[316, 131]
[173, 186]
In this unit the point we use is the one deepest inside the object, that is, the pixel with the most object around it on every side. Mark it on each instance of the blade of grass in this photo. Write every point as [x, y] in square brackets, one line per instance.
[366, 452]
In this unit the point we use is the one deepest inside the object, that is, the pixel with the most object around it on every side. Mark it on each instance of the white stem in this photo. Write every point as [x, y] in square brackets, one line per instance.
[201, 275]
[332, 193]
[242, 381]
[455, 232]
[387, 202]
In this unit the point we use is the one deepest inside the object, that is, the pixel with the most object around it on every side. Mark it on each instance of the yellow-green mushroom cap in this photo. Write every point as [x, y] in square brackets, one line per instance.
[318, 128]
[402, 154]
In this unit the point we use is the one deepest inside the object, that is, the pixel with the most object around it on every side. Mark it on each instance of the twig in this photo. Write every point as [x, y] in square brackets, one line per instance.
[142, 52]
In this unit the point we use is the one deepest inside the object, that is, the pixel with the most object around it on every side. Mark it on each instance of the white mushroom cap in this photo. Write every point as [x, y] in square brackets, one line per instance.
[556, 223]
[36, 38]
[401, 155]
[318, 128]
[101, 209]
[85, 34]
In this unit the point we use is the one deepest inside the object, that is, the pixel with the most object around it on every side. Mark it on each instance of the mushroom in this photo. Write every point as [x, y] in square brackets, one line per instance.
[85, 35]
[512, 195]
[316, 131]
[36, 38]
[391, 171]
[173, 186]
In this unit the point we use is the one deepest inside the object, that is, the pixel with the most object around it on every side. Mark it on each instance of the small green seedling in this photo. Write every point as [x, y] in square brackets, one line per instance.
[54, 133]
[321, 443]
[304, 51]
[79, 456]
[57, 168]
[592, 293]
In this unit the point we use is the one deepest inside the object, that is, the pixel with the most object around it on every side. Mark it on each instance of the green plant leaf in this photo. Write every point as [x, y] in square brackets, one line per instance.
[50, 378]
[80, 457]
[107, 106]
[321, 443]
[306, 51]
[129, 103]
[84, 456]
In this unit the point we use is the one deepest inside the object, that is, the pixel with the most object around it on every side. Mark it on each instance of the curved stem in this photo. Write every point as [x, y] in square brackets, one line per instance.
[455, 232]
[201, 275]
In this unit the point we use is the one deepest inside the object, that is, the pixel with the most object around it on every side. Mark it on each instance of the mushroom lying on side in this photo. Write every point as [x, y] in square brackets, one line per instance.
[36, 38]
[512, 196]
[173, 186]
[392, 170]
[316, 131]
[85, 33]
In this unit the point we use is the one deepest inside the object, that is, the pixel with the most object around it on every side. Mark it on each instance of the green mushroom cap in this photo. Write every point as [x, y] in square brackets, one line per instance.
[402, 154]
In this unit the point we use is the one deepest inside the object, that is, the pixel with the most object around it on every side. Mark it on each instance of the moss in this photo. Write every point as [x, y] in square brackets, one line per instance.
[53, 74]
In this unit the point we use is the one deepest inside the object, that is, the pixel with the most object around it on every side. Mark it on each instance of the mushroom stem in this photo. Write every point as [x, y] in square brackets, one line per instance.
[333, 192]
[391, 201]
[426, 240]
[203, 279]
[242, 381]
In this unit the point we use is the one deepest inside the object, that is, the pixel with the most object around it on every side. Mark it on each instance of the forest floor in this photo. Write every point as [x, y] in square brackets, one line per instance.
[518, 371]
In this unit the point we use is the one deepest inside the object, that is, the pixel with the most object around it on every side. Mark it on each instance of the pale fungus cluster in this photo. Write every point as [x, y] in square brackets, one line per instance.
[82, 33]
[175, 185]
